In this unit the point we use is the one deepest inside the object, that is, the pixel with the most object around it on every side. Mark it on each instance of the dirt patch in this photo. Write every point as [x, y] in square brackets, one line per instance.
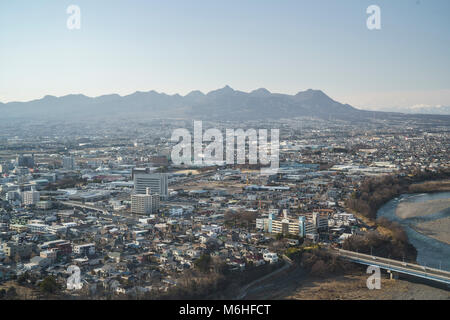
[436, 229]
[411, 210]
[23, 293]
[353, 287]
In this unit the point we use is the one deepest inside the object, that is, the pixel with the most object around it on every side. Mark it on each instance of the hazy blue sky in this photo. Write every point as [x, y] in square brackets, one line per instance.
[178, 46]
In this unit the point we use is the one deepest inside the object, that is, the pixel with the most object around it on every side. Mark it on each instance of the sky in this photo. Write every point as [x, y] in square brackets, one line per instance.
[176, 46]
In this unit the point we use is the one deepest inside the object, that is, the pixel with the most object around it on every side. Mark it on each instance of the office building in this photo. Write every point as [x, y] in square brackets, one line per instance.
[320, 221]
[30, 197]
[157, 182]
[44, 205]
[69, 163]
[25, 160]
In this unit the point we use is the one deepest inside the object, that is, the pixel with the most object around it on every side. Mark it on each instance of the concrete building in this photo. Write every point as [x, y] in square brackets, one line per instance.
[306, 227]
[25, 160]
[69, 163]
[270, 257]
[44, 205]
[157, 182]
[320, 221]
[11, 249]
[144, 203]
[12, 196]
[295, 226]
[31, 197]
[84, 249]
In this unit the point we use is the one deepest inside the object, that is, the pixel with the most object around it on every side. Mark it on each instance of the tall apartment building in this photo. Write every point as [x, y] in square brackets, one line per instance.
[296, 226]
[31, 197]
[157, 182]
[12, 195]
[25, 160]
[147, 203]
[320, 221]
[69, 163]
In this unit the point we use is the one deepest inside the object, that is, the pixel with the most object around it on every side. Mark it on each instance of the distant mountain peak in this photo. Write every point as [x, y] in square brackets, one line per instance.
[225, 90]
[261, 92]
[144, 93]
[49, 97]
[195, 93]
[312, 92]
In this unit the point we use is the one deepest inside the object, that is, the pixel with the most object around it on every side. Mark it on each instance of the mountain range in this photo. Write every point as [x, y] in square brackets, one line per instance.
[222, 104]
[420, 109]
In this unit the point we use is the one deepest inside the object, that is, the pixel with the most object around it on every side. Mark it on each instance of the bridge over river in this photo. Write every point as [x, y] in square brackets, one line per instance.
[397, 267]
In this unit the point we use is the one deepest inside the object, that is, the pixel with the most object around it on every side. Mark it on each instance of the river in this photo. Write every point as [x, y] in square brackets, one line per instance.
[430, 252]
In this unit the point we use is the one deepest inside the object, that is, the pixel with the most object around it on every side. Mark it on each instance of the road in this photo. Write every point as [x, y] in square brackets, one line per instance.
[101, 210]
[397, 266]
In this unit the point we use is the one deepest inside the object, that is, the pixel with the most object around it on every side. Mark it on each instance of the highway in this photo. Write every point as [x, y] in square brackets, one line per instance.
[391, 265]
[105, 212]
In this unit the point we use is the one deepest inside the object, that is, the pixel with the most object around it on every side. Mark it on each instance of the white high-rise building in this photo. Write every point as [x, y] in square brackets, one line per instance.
[157, 182]
[69, 163]
[144, 203]
[31, 197]
[320, 221]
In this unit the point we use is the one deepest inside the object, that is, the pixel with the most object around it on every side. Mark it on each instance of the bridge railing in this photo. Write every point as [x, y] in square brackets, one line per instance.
[401, 264]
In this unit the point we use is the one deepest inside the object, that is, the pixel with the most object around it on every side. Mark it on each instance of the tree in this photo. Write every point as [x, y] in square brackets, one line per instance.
[49, 285]
[203, 263]
[23, 278]
[11, 293]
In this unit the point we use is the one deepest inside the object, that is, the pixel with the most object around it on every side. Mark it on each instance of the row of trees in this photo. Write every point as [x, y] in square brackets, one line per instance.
[395, 246]
[47, 288]
[319, 262]
[9, 294]
[213, 279]
[374, 192]
[65, 184]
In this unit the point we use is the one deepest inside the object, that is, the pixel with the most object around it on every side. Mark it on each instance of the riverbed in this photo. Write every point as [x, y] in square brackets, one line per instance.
[426, 219]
